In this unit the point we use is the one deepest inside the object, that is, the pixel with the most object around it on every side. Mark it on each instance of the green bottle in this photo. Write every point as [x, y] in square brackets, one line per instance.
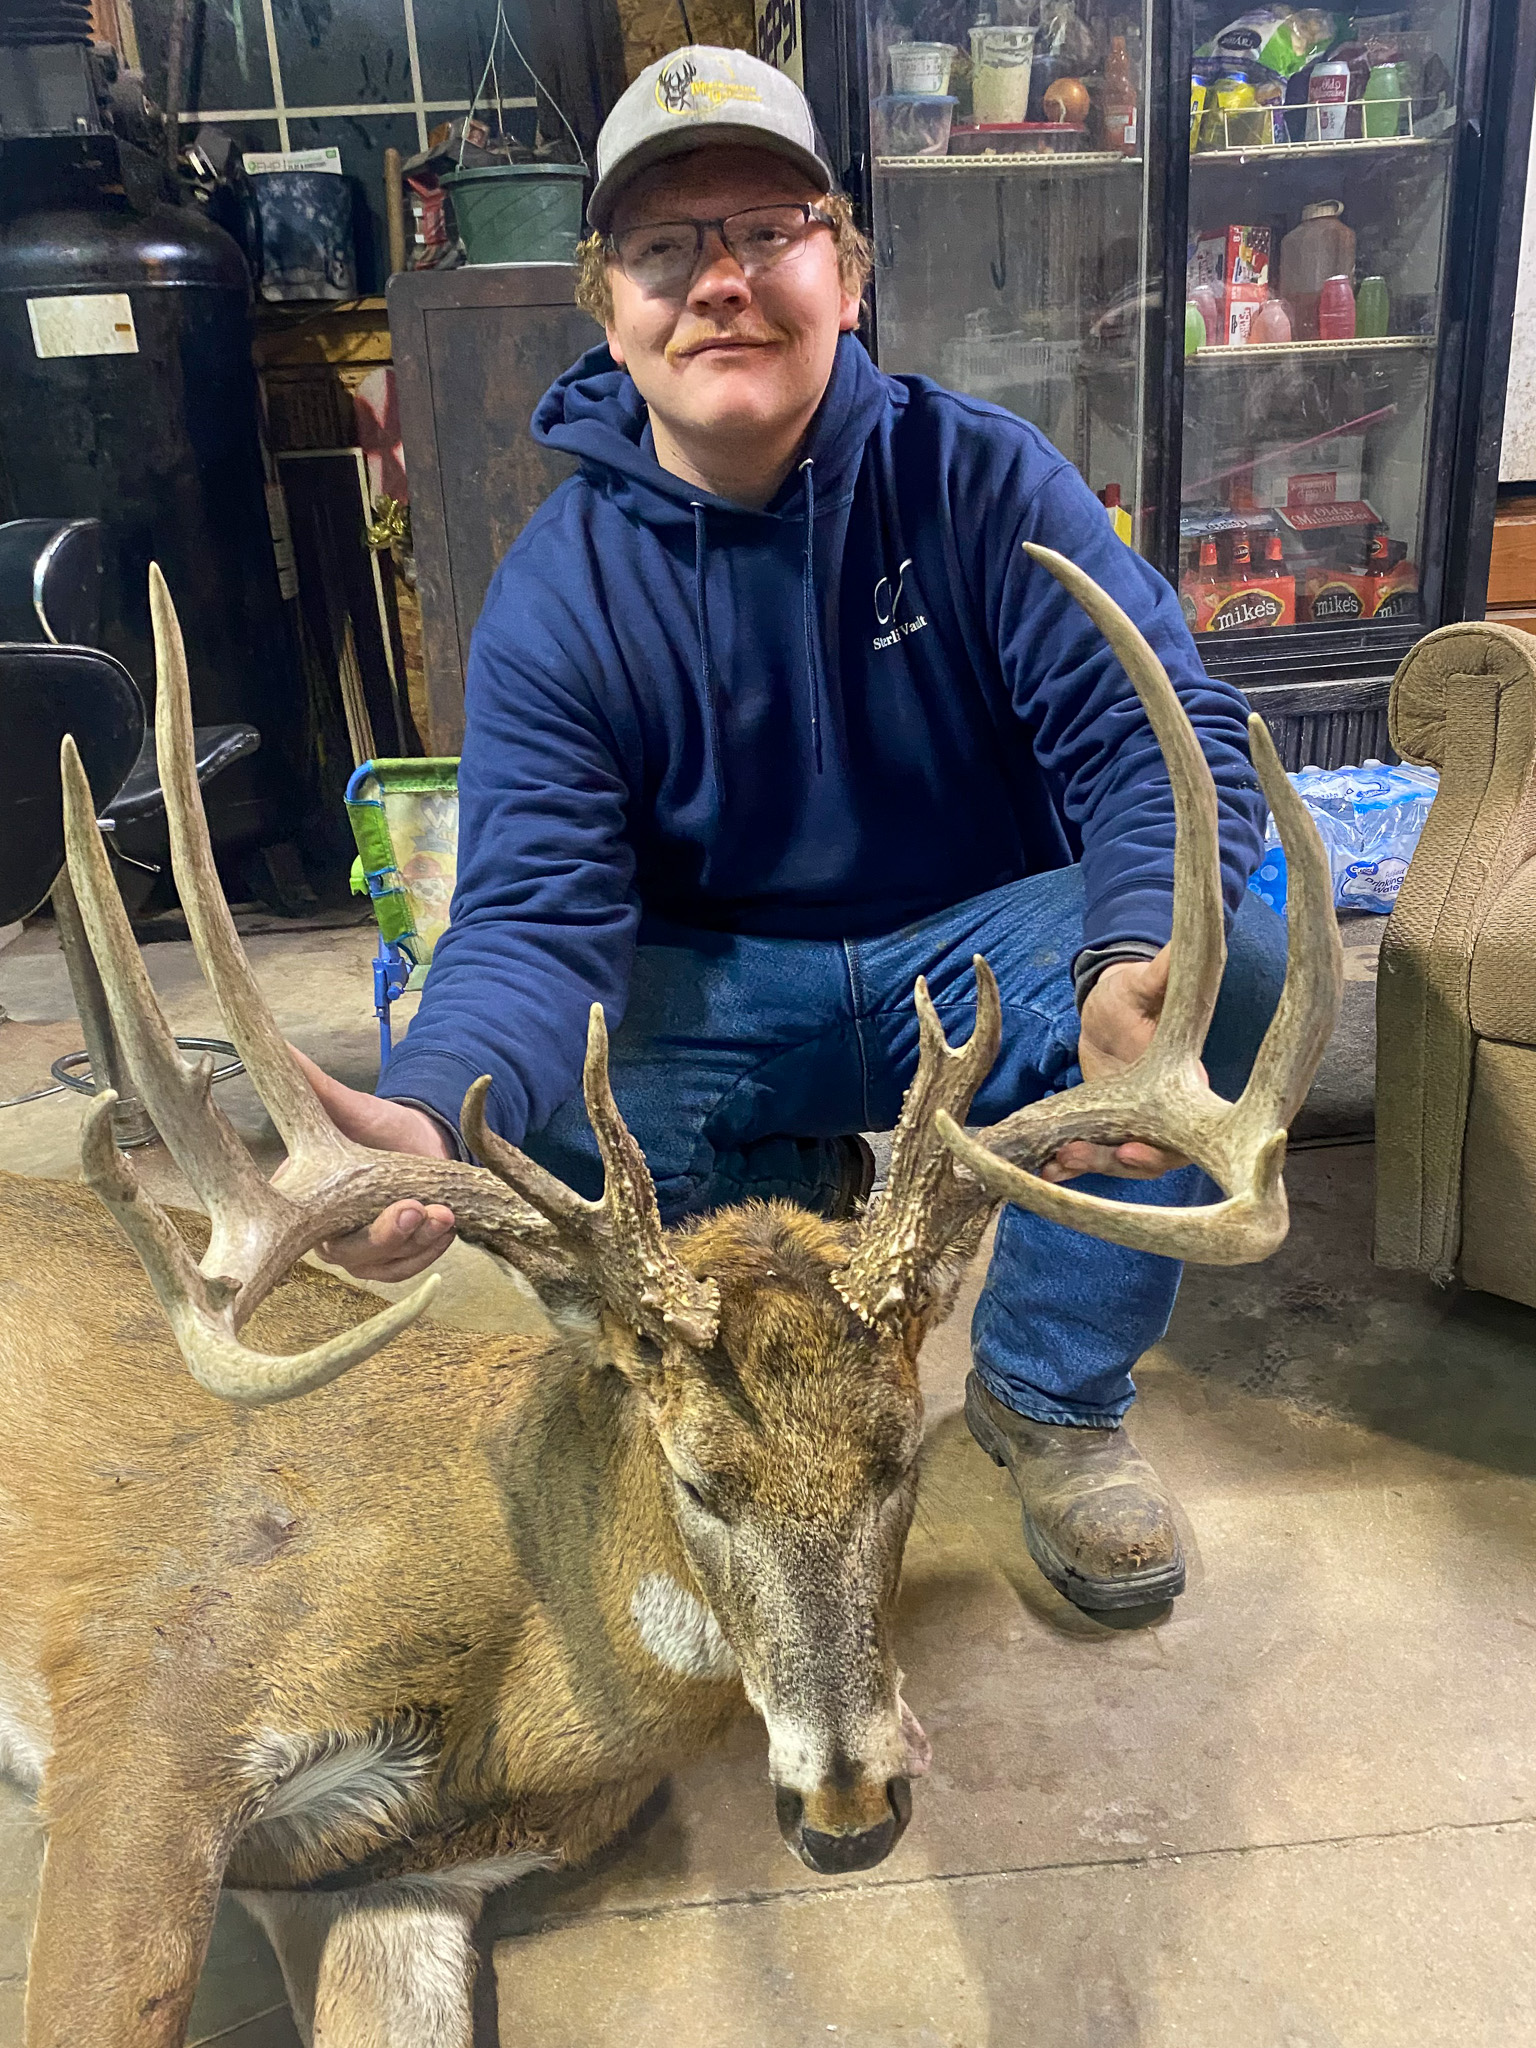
[1382, 113]
[1194, 327]
[1373, 308]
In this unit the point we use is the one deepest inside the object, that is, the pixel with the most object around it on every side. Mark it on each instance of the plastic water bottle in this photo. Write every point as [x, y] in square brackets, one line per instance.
[1369, 819]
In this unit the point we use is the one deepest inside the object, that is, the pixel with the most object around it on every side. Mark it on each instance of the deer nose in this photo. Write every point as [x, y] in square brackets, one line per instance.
[831, 1850]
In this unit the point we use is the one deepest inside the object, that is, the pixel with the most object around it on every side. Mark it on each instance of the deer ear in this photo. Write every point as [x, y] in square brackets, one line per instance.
[638, 1357]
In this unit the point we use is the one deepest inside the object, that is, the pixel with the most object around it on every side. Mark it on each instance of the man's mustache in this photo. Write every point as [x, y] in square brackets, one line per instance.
[689, 344]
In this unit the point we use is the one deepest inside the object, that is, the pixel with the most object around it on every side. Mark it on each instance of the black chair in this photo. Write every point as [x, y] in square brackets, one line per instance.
[50, 580]
[50, 594]
[52, 682]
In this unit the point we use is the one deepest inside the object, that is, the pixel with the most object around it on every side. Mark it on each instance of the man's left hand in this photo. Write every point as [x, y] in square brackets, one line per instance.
[1119, 1017]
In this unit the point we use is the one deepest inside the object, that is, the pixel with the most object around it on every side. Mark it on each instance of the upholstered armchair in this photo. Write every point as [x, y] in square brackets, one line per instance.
[1456, 996]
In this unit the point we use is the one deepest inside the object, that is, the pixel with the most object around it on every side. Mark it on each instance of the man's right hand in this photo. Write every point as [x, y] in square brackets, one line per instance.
[407, 1236]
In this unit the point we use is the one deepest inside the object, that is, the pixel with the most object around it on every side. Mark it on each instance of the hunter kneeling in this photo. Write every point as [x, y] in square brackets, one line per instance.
[768, 713]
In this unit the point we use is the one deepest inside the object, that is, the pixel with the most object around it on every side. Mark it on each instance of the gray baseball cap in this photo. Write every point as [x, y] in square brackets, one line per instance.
[696, 96]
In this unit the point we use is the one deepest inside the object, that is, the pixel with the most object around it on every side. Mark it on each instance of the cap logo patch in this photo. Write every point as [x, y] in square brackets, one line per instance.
[680, 90]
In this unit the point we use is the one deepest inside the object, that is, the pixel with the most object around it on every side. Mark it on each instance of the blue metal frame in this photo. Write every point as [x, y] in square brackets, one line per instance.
[392, 970]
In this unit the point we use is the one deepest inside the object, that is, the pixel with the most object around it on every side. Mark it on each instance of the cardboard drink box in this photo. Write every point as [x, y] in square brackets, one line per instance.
[1336, 596]
[1228, 607]
[1396, 595]
[1235, 262]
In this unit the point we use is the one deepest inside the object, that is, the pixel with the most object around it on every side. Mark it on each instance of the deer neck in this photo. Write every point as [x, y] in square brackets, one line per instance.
[623, 1642]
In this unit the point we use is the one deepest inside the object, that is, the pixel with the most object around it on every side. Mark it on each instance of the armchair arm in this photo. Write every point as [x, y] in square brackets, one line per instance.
[1463, 701]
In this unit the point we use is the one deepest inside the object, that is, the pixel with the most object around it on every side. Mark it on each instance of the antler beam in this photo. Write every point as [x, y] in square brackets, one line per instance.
[1164, 1099]
[327, 1186]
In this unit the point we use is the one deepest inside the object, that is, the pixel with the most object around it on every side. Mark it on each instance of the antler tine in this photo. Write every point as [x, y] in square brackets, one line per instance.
[201, 1140]
[642, 1278]
[303, 1125]
[1199, 949]
[923, 1207]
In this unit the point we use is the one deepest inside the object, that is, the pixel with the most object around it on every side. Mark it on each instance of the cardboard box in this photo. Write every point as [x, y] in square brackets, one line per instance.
[1330, 473]
[1235, 261]
[1228, 256]
[1396, 595]
[1228, 607]
[1337, 596]
[1331, 516]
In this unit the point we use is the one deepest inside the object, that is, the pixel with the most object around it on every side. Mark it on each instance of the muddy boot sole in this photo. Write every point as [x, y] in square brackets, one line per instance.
[1152, 1588]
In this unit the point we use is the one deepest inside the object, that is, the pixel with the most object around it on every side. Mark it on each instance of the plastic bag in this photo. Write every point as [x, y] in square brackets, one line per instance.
[1370, 819]
[1282, 39]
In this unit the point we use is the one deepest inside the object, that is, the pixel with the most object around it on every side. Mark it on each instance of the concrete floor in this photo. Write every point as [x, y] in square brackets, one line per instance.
[1300, 1813]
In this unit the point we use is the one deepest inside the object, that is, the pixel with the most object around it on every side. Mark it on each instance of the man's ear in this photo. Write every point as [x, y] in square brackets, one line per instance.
[848, 313]
[615, 346]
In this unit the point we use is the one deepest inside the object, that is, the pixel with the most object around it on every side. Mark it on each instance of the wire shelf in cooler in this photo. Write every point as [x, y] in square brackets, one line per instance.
[1315, 351]
[1002, 163]
[1292, 152]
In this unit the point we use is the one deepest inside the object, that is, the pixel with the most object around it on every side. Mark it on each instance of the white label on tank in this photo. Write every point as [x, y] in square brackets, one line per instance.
[93, 324]
[259, 161]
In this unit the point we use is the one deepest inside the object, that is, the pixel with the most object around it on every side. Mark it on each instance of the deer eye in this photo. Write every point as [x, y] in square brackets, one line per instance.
[696, 1498]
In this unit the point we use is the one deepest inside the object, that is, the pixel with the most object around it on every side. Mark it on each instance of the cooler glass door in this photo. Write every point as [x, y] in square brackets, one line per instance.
[1013, 235]
[1320, 171]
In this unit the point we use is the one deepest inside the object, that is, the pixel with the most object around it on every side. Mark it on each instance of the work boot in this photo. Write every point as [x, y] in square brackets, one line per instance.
[1097, 1519]
[856, 1176]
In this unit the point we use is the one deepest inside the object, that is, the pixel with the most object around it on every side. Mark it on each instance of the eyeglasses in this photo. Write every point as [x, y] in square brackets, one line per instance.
[663, 256]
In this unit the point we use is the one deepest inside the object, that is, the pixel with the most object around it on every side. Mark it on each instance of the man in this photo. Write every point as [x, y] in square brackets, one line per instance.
[768, 713]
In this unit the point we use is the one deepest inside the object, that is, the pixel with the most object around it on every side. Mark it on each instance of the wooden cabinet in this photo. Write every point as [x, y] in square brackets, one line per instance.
[1512, 565]
[474, 349]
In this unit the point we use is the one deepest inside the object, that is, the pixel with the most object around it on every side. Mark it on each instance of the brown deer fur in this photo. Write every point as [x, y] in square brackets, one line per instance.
[440, 1550]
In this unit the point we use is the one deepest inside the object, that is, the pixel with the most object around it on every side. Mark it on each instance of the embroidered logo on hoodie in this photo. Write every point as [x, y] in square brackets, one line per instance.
[887, 599]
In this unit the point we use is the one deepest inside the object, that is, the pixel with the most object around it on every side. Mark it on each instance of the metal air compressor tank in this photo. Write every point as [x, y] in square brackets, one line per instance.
[127, 395]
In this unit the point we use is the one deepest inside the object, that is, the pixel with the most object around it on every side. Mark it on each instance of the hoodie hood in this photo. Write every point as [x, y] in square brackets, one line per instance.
[596, 413]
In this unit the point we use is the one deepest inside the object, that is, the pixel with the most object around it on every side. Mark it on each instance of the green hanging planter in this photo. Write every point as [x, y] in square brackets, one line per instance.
[518, 213]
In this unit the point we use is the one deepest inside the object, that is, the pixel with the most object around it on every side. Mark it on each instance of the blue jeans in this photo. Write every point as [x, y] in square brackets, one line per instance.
[739, 1059]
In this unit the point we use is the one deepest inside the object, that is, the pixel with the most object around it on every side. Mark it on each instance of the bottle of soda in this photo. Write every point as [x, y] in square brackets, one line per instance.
[1120, 125]
[1242, 559]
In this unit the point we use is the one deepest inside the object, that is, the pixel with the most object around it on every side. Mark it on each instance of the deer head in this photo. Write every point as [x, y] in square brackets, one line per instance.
[774, 1356]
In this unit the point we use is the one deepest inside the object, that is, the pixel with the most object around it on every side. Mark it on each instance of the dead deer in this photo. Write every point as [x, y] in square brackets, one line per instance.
[453, 1616]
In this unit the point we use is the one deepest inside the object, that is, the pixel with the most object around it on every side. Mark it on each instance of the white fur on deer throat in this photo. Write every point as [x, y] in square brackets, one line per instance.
[26, 1731]
[679, 1630]
[310, 1785]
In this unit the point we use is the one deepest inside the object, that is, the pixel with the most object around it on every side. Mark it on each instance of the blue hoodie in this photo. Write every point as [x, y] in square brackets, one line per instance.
[824, 719]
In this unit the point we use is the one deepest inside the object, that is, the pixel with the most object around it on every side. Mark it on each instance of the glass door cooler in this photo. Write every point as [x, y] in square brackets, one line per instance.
[1250, 271]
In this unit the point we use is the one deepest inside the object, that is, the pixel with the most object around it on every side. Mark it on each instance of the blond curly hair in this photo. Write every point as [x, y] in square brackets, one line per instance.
[855, 260]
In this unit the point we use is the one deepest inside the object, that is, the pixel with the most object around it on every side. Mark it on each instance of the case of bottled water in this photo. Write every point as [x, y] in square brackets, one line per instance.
[1370, 819]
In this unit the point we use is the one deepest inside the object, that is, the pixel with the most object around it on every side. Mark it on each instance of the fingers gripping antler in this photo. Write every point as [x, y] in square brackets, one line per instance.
[925, 1211]
[1163, 1099]
[326, 1187]
[643, 1280]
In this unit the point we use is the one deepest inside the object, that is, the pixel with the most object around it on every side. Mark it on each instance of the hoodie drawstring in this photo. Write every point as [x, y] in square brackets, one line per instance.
[706, 677]
[808, 594]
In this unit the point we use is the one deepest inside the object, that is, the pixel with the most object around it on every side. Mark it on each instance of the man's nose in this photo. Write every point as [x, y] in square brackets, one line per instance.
[719, 279]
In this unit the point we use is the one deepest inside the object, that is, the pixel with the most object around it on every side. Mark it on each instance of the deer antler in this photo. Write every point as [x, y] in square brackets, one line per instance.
[328, 1185]
[1164, 1099]
[927, 1211]
[622, 1233]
